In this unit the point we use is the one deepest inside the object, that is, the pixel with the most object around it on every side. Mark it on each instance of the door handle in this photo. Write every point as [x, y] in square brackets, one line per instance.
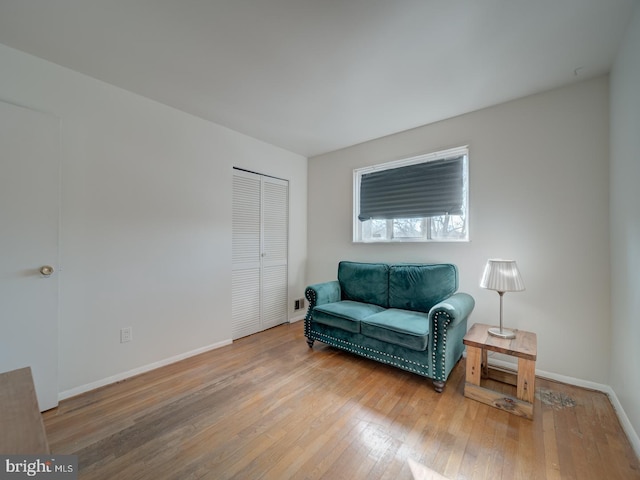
[46, 270]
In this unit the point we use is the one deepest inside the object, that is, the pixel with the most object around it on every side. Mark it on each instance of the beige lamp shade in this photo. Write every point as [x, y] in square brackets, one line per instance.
[502, 276]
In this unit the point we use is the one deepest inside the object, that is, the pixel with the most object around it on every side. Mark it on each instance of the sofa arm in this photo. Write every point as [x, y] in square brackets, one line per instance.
[319, 293]
[448, 326]
[458, 307]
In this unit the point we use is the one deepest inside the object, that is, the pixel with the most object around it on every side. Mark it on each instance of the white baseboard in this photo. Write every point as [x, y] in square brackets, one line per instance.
[624, 421]
[613, 398]
[137, 371]
[297, 319]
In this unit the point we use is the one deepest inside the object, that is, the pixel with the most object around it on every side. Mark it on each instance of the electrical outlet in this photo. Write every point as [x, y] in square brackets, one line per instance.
[126, 334]
[298, 304]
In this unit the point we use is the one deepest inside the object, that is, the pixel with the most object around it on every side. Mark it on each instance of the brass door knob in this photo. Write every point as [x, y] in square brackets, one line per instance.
[46, 270]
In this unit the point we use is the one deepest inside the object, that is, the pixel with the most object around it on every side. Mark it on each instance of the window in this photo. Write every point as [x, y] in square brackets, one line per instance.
[417, 199]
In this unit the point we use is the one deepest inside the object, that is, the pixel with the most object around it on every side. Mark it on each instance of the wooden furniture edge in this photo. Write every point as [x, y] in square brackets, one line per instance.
[499, 400]
[22, 429]
[478, 337]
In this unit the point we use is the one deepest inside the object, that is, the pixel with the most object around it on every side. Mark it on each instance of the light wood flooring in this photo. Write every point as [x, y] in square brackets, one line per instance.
[269, 407]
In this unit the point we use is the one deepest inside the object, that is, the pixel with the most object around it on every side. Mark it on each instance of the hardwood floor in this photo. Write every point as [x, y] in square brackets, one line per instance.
[269, 407]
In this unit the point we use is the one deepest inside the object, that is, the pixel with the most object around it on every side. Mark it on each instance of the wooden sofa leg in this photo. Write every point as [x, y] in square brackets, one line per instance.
[310, 342]
[438, 385]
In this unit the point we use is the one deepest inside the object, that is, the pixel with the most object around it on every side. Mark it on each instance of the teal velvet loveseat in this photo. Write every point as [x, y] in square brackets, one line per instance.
[406, 315]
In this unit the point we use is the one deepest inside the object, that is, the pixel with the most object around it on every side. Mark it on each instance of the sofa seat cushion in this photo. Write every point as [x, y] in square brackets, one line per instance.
[346, 314]
[401, 327]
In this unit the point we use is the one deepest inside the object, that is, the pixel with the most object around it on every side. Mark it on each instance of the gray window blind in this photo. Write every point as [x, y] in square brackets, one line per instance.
[414, 191]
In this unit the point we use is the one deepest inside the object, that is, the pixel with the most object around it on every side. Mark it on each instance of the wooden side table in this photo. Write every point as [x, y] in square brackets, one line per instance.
[524, 347]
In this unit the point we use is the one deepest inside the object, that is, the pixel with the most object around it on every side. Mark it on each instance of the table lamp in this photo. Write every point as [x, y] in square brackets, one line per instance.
[502, 276]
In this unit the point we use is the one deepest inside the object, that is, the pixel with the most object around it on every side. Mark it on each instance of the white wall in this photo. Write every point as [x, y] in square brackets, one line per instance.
[538, 194]
[146, 220]
[625, 223]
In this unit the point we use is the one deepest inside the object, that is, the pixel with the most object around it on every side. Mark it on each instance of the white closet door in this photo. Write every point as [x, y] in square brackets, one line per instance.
[260, 246]
[246, 254]
[275, 233]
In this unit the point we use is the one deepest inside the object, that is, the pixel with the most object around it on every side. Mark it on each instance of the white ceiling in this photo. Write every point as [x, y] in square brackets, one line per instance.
[314, 76]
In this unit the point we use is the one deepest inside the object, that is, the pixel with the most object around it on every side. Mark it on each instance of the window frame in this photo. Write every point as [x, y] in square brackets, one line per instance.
[422, 158]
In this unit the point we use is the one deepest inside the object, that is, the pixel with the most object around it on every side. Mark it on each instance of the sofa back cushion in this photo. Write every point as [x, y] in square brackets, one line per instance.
[364, 282]
[420, 287]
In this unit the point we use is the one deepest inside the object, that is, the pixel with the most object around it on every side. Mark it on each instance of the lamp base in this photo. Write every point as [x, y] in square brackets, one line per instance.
[502, 333]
